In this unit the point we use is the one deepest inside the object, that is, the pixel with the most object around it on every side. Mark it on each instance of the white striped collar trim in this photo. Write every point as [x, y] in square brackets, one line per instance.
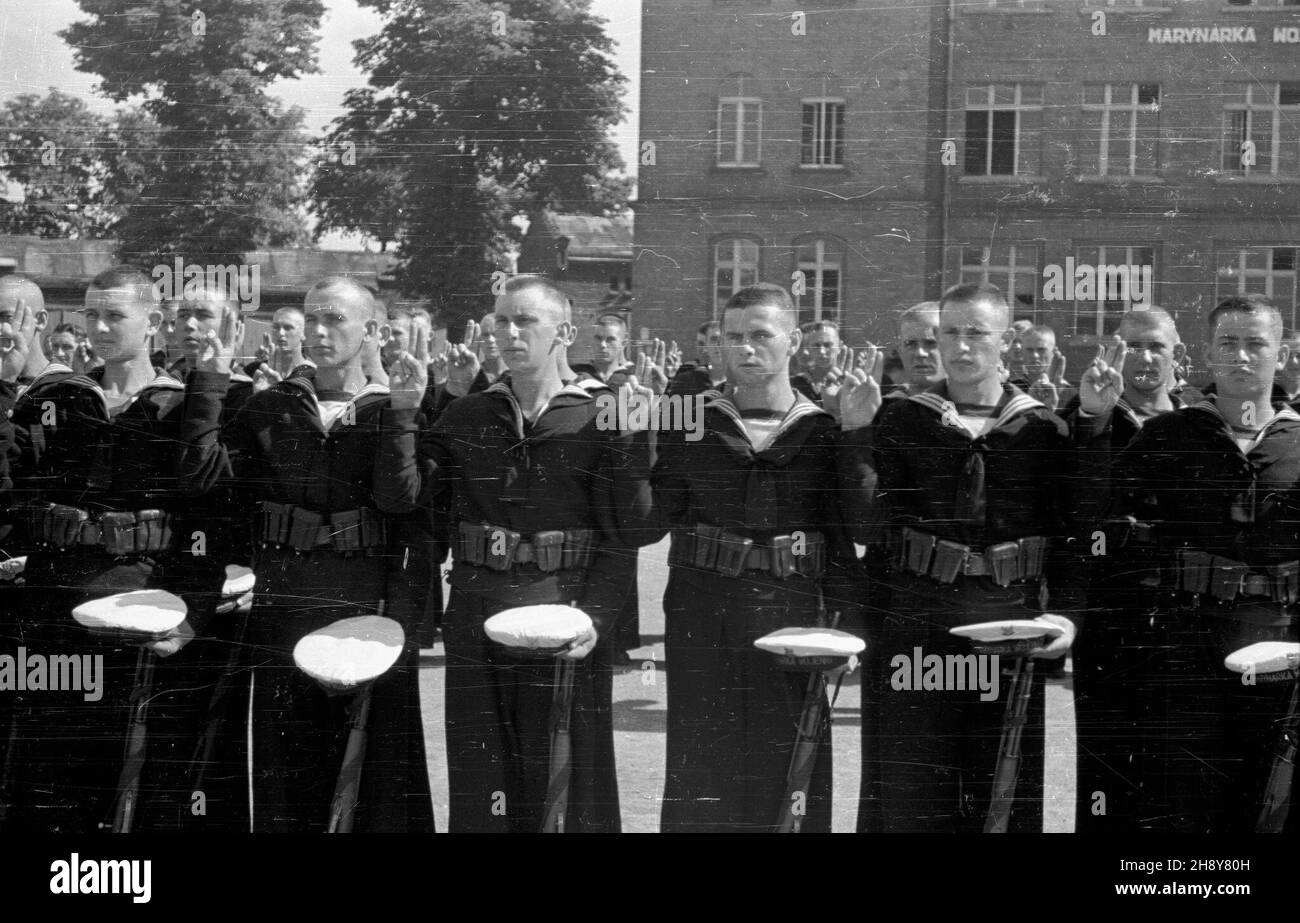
[801, 408]
[52, 368]
[1018, 403]
[500, 387]
[1208, 405]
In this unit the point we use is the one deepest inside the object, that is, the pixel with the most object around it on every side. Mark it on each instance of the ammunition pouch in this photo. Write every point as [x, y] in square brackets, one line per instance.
[1120, 533]
[304, 530]
[782, 556]
[118, 532]
[1224, 579]
[274, 526]
[944, 560]
[500, 549]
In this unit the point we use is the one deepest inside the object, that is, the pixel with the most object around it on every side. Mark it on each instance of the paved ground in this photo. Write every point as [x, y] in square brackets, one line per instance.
[640, 702]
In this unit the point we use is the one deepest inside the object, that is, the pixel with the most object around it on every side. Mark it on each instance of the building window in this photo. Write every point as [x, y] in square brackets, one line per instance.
[1125, 120]
[1268, 271]
[822, 263]
[735, 265]
[823, 133]
[1003, 128]
[1122, 278]
[740, 130]
[1268, 116]
[1011, 267]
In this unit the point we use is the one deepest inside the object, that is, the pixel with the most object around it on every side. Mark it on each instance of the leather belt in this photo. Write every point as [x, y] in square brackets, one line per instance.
[499, 548]
[945, 561]
[782, 556]
[1224, 579]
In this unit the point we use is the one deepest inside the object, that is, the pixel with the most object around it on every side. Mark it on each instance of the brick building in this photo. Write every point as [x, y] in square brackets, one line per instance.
[786, 139]
[905, 147]
[1115, 134]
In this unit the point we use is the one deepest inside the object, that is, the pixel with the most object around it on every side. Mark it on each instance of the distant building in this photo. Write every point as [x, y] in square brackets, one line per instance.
[1160, 136]
[873, 154]
[778, 139]
[590, 258]
[64, 268]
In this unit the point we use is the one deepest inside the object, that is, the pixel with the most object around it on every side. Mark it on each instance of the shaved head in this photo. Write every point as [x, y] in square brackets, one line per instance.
[19, 288]
[345, 287]
[765, 293]
[545, 291]
[1152, 317]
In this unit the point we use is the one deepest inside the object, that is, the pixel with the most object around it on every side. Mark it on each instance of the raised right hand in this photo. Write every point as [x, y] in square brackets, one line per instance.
[463, 363]
[859, 394]
[1102, 384]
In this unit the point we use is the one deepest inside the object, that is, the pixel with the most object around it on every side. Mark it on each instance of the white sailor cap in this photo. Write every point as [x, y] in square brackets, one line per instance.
[350, 652]
[1270, 661]
[1010, 635]
[146, 614]
[544, 630]
[811, 648]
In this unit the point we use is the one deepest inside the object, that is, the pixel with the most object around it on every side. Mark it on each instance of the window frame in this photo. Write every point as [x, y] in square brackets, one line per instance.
[991, 106]
[836, 143]
[1098, 306]
[737, 132]
[1240, 274]
[1133, 109]
[823, 245]
[1273, 107]
[1006, 274]
[717, 264]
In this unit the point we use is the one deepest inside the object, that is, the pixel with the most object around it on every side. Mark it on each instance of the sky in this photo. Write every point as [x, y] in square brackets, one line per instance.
[33, 59]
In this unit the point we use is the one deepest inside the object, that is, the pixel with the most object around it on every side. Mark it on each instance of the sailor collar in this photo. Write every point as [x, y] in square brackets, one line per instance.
[1013, 403]
[1209, 406]
[802, 407]
[161, 381]
[502, 391]
[58, 368]
[305, 386]
[1125, 409]
[51, 368]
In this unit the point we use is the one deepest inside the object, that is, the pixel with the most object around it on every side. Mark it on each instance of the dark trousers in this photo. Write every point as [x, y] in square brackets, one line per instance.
[498, 729]
[929, 755]
[732, 713]
[1209, 739]
[67, 752]
[300, 731]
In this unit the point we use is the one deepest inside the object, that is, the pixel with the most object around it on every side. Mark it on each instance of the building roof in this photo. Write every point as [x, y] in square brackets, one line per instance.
[60, 263]
[591, 237]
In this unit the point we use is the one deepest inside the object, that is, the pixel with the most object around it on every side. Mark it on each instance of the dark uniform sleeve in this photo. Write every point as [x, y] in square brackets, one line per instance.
[437, 397]
[623, 507]
[8, 394]
[397, 484]
[870, 467]
[207, 448]
[1066, 568]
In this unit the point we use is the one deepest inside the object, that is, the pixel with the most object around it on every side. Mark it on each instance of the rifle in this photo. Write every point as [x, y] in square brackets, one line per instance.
[1274, 662]
[1018, 638]
[557, 785]
[137, 736]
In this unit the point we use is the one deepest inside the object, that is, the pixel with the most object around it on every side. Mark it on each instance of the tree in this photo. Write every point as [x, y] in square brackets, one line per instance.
[475, 113]
[51, 161]
[228, 173]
